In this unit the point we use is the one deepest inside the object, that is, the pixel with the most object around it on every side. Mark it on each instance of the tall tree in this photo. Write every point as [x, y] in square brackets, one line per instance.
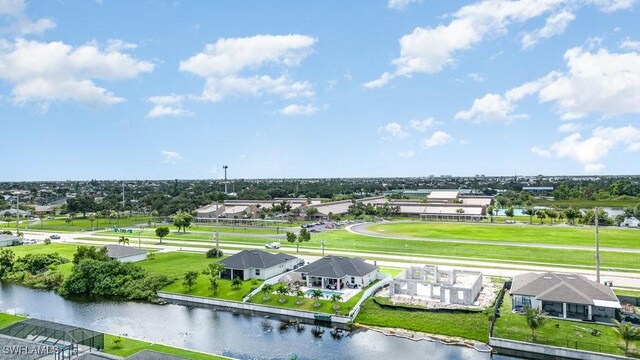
[162, 231]
[529, 211]
[293, 238]
[182, 220]
[540, 215]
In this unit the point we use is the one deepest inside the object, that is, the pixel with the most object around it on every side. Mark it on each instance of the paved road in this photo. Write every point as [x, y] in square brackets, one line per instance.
[361, 229]
[619, 278]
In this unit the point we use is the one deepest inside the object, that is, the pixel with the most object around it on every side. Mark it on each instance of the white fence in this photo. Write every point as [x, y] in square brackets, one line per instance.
[385, 279]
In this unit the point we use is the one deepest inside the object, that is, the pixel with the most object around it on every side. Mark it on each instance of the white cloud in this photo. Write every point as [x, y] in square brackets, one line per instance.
[407, 154]
[19, 23]
[591, 151]
[569, 127]
[422, 125]
[597, 82]
[296, 110]
[55, 71]
[167, 105]
[629, 44]
[115, 45]
[438, 138]
[613, 5]
[170, 156]
[394, 130]
[555, 25]
[431, 49]
[540, 151]
[217, 88]
[401, 4]
[491, 107]
[476, 77]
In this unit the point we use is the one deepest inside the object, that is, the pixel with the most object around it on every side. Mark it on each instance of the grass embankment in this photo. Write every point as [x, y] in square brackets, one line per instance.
[474, 326]
[201, 288]
[513, 233]
[555, 332]
[128, 347]
[623, 201]
[627, 292]
[8, 319]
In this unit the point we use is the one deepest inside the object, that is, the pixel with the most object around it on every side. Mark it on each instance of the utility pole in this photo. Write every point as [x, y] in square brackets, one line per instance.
[216, 233]
[123, 196]
[597, 247]
[323, 248]
[225, 178]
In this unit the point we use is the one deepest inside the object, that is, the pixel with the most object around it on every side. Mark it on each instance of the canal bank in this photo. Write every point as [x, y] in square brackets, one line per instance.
[240, 335]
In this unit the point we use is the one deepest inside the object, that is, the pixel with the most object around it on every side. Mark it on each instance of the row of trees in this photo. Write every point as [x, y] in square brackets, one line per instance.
[572, 215]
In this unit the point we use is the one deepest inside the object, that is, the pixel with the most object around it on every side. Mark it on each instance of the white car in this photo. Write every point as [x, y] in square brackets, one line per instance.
[273, 245]
[30, 241]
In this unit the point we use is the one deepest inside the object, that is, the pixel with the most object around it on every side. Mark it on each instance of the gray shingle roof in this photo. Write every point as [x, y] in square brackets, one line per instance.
[120, 251]
[9, 238]
[338, 267]
[559, 287]
[33, 351]
[256, 259]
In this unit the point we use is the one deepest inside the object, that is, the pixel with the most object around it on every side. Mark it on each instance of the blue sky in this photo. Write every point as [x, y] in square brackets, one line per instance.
[176, 89]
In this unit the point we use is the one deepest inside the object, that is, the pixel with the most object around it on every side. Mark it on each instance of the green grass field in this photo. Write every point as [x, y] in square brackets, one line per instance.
[559, 235]
[130, 346]
[565, 334]
[201, 288]
[615, 202]
[83, 224]
[468, 326]
[7, 319]
[65, 250]
[175, 264]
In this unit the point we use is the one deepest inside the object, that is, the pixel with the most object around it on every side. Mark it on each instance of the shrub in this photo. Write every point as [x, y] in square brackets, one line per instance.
[90, 252]
[47, 241]
[213, 253]
[37, 263]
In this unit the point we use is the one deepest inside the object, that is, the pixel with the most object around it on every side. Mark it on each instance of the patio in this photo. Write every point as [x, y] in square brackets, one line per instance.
[346, 293]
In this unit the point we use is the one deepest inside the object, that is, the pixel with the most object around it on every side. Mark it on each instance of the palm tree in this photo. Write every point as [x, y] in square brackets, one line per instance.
[123, 240]
[266, 290]
[627, 332]
[535, 319]
[282, 290]
[334, 299]
[316, 295]
[190, 278]
[300, 296]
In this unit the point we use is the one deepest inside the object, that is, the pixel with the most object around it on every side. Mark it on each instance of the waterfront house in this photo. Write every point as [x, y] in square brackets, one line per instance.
[569, 296]
[10, 240]
[258, 264]
[336, 272]
[125, 253]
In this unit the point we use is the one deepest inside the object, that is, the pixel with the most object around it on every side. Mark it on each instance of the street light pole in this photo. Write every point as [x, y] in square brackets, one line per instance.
[597, 246]
[17, 213]
[216, 232]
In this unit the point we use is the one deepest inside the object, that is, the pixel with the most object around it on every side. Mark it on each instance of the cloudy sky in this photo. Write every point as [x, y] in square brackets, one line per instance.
[175, 89]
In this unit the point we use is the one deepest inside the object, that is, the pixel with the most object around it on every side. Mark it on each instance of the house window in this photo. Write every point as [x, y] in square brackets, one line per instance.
[526, 301]
[258, 272]
[353, 280]
[600, 309]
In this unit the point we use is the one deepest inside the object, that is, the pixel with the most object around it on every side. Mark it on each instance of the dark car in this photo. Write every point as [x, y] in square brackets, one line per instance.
[55, 237]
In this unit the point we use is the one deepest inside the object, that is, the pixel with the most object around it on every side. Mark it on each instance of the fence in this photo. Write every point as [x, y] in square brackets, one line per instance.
[593, 346]
[497, 305]
[370, 291]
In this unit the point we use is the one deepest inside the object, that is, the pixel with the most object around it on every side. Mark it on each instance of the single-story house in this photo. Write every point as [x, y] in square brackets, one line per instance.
[258, 264]
[10, 240]
[569, 296]
[126, 253]
[336, 272]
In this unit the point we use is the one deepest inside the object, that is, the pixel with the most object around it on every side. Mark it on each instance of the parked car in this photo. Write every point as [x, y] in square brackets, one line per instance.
[273, 245]
[30, 241]
[55, 237]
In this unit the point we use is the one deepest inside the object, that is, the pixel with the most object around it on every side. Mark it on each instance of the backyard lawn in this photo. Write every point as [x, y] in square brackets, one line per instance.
[201, 288]
[65, 250]
[176, 263]
[561, 235]
[7, 319]
[563, 333]
[473, 326]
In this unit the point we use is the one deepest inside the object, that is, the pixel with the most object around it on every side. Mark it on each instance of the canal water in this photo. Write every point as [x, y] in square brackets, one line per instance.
[243, 336]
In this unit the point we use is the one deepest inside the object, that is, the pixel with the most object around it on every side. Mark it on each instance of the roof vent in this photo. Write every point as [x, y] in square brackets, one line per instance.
[548, 278]
[570, 278]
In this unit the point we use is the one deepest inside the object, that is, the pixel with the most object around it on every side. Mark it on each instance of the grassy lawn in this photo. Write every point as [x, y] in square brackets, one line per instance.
[561, 235]
[131, 346]
[391, 271]
[626, 292]
[563, 333]
[176, 263]
[469, 326]
[241, 229]
[7, 319]
[201, 288]
[65, 250]
[82, 224]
